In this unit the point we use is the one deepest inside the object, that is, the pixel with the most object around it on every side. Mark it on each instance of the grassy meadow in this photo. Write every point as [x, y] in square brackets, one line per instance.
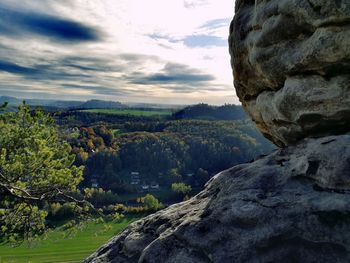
[58, 249]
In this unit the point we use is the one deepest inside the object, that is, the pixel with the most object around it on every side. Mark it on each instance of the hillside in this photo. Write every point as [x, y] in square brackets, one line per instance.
[209, 112]
[100, 104]
[112, 146]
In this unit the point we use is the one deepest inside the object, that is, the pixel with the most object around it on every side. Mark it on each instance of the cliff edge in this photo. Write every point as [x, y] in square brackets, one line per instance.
[290, 206]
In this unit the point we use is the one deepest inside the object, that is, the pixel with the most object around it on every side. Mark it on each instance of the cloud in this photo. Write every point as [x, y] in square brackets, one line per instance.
[46, 72]
[63, 68]
[17, 23]
[196, 40]
[88, 75]
[204, 41]
[135, 57]
[16, 69]
[99, 90]
[172, 74]
[109, 49]
[206, 35]
[194, 3]
[216, 23]
[170, 39]
[87, 63]
[177, 78]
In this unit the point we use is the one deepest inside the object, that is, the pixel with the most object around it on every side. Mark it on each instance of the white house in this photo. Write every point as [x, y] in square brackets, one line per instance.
[145, 187]
[155, 185]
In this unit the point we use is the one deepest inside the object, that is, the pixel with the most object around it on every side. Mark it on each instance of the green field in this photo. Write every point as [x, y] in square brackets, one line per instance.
[56, 248]
[131, 112]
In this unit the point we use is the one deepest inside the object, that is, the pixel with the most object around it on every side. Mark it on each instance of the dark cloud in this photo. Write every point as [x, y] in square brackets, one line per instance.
[176, 78]
[65, 68]
[46, 74]
[81, 67]
[70, 72]
[99, 90]
[76, 69]
[16, 69]
[139, 58]
[204, 41]
[172, 74]
[16, 23]
[90, 64]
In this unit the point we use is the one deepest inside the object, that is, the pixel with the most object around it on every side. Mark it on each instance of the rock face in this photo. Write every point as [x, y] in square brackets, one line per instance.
[290, 206]
[291, 65]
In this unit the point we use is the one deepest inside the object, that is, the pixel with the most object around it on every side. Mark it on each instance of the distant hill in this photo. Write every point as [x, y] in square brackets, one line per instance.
[10, 100]
[101, 104]
[90, 104]
[208, 112]
[155, 106]
[56, 103]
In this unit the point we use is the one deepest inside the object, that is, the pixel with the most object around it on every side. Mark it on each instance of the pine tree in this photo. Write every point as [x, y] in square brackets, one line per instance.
[36, 168]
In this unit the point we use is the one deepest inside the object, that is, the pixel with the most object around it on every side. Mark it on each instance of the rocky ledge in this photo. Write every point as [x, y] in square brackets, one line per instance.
[291, 65]
[290, 206]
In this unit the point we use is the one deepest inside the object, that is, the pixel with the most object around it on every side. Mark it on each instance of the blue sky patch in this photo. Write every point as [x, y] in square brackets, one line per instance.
[204, 41]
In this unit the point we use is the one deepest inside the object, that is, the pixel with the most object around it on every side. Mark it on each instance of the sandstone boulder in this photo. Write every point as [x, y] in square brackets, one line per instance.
[291, 66]
[290, 206]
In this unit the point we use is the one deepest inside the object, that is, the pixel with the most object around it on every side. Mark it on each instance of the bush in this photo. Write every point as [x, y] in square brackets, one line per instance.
[99, 197]
[181, 188]
[150, 203]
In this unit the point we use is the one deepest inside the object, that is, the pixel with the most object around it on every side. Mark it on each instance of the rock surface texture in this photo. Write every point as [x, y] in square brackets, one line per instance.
[290, 206]
[291, 65]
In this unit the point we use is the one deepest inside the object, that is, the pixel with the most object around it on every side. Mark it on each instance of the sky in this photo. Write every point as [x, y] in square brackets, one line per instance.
[154, 51]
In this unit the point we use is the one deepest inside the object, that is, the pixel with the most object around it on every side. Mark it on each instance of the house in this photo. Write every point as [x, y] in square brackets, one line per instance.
[94, 183]
[145, 187]
[135, 181]
[154, 186]
[135, 178]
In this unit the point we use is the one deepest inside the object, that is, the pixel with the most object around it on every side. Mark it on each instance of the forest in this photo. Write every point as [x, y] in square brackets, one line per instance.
[71, 165]
[129, 154]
